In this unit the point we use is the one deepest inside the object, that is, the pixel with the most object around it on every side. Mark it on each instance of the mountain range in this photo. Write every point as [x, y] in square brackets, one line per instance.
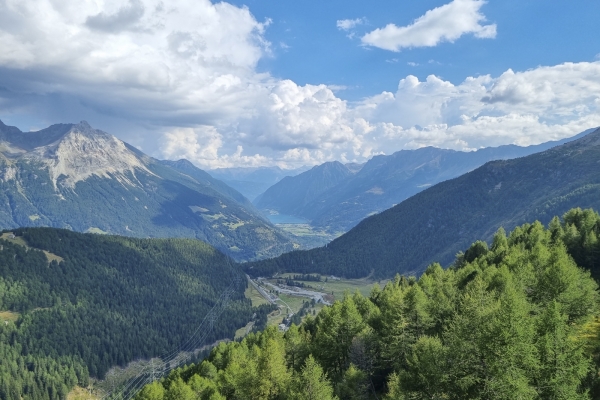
[76, 177]
[252, 181]
[437, 223]
[336, 197]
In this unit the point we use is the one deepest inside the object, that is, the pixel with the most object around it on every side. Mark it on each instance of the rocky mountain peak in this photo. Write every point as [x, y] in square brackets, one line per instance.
[85, 151]
[73, 153]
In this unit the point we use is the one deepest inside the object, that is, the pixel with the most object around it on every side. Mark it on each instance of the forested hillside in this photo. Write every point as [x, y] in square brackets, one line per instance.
[434, 225]
[76, 177]
[293, 193]
[518, 320]
[92, 302]
[381, 183]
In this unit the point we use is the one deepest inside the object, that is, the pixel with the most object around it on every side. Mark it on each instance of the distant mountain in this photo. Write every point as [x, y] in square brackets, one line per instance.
[252, 181]
[292, 194]
[442, 220]
[76, 177]
[383, 182]
[205, 178]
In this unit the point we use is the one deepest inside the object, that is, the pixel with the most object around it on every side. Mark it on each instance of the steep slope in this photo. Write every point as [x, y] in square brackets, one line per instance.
[502, 316]
[206, 179]
[292, 194]
[252, 181]
[91, 302]
[76, 177]
[387, 180]
[439, 222]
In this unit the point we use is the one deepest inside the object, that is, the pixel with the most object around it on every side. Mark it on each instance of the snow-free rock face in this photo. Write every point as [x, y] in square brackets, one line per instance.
[83, 152]
[76, 177]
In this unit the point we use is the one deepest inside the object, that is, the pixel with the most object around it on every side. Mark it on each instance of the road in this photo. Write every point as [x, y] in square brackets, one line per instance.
[317, 296]
[267, 296]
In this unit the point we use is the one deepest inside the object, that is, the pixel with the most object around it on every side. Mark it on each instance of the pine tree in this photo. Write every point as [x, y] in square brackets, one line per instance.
[312, 383]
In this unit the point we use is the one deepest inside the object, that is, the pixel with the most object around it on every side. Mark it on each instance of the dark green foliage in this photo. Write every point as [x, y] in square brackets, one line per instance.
[514, 321]
[307, 277]
[261, 317]
[35, 376]
[379, 184]
[434, 225]
[167, 199]
[112, 300]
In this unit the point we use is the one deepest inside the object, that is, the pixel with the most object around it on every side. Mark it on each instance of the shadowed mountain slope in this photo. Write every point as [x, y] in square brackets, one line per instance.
[383, 182]
[436, 223]
[76, 177]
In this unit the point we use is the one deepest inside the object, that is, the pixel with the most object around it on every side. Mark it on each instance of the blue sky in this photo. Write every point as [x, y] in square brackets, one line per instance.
[530, 33]
[247, 83]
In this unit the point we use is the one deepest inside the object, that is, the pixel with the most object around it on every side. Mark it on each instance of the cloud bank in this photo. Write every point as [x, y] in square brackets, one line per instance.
[179, 79]
[442, 24]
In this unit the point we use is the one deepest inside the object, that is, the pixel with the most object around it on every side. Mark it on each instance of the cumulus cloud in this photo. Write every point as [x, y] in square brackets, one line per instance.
[179, 80]
[181, 59]
[201, 146]
[442, 24]
[530, 107]
[126, 17]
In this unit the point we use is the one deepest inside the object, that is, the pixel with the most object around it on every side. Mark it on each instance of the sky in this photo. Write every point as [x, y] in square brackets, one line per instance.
[264, 82]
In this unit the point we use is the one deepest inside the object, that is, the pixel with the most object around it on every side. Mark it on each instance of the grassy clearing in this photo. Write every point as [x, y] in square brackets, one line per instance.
[9, 316]
[243, 331]
[253, 294]
[98, 231]
[10, 237]
[338, 288]
[79, 393]
[234, 225]
[307, 236]
[276, 317]
[213, 217]
[295, 303]
[52, 257]
[303, 230]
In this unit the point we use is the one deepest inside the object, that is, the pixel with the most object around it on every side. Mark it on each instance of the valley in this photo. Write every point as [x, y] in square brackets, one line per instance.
[279, 200]
[332, 197]
[82, 291]
[76, 177]
[291, 299]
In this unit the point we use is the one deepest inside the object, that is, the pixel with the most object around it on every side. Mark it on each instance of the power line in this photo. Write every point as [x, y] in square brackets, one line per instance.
[169, 361]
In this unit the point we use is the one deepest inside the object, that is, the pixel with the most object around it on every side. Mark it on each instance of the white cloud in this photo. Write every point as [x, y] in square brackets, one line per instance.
[348, 24]
[442, 24]
[181, 58]
[202, 145]
[179, 79]
[530, 107]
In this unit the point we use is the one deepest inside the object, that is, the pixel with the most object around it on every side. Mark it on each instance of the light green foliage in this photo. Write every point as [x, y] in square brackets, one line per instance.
[563, 363]
[108, 301]
[354, 384]
[311, 383]
[296, 347]
[512, 321]
[153, 391]
[178, 390]
[336, 327]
